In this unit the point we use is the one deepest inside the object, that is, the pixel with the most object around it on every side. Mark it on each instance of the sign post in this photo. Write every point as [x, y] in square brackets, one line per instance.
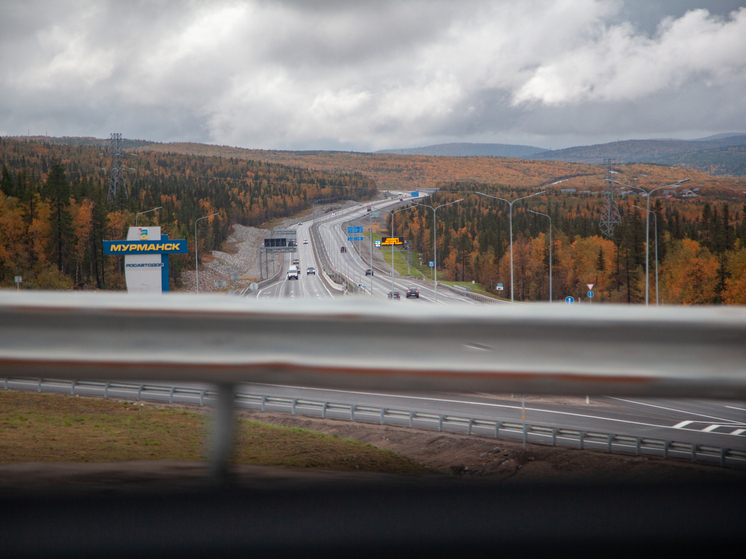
[146, 258]
[19, 279]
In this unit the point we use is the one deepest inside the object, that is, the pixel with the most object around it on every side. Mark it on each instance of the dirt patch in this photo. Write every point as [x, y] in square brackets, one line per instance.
[501, 459]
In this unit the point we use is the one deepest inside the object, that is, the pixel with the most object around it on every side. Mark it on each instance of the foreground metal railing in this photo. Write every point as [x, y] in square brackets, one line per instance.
[536, 434]
[361, 344]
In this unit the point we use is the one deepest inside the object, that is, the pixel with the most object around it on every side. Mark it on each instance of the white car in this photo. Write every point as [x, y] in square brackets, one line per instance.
[305, 241]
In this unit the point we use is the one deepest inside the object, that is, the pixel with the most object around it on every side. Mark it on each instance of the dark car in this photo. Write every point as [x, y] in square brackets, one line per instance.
[413, 292]
[342, 249]
[394, 295]
[310, 270]
[368, 272]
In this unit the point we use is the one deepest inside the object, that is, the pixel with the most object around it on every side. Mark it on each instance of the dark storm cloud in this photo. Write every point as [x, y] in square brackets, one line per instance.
[369, 75]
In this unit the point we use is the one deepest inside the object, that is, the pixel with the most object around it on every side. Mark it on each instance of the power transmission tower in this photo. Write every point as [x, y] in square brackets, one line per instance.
[610, 215]
[116, 184]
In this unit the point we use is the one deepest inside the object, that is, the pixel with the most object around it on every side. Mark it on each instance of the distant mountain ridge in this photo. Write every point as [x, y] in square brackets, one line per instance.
[720, 155]
[469, 150]
[723, 154]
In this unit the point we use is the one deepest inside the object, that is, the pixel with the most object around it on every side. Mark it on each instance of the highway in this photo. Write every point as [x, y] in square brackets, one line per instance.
[717, 423]
[355, 261]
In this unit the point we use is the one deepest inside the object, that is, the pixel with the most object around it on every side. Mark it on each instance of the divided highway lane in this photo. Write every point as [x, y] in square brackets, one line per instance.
[353, 265]
[307, 285]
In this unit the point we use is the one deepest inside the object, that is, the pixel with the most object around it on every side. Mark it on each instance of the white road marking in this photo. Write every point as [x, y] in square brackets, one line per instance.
[496, 406]
[735, 408]
[721, 419]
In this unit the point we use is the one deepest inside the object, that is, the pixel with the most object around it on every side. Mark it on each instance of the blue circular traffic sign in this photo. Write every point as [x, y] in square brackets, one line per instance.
[590, 294]
[569, 300]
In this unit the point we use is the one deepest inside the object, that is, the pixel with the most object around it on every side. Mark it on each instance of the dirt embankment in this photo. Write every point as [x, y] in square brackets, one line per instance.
[507, 460]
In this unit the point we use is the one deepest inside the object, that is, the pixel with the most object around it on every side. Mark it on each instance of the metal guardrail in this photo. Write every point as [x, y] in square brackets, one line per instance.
[355, 343]
[536, 434]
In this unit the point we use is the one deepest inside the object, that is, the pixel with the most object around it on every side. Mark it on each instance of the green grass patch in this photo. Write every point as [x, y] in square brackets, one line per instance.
[56, 428]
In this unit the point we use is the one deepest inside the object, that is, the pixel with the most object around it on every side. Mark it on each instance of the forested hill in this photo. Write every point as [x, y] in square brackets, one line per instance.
[718, 156]
[55, 212]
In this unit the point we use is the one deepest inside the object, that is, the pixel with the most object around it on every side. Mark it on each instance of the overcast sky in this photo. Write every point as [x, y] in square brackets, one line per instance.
[377, 74]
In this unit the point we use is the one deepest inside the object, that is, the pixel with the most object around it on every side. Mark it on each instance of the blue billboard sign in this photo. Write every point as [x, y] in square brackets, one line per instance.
[354, 230]
[355, 238]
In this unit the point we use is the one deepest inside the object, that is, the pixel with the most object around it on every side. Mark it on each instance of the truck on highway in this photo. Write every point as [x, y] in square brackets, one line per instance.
[293, 273]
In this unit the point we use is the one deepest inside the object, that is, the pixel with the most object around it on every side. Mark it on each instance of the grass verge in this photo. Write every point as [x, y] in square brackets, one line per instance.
[56, 428]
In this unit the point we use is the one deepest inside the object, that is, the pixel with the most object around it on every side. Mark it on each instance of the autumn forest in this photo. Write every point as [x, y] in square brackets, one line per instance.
[54, 215]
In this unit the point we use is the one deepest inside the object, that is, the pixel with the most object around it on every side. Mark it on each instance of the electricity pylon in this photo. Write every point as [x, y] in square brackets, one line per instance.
[116, 184]
[610, 215]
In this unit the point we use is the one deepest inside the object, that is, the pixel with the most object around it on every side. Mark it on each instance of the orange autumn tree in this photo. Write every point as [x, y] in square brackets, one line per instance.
[735, 286]
[689, 275]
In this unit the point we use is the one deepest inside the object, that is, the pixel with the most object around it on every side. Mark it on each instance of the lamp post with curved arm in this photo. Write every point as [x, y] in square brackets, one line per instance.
[435, 241]
[647, 194]
[146, 212]
[511, 229]
[550, 251]
[655, 216]
[196, 247]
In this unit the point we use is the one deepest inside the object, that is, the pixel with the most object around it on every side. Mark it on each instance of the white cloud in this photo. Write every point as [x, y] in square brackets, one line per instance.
[369, 75]
[620, 65]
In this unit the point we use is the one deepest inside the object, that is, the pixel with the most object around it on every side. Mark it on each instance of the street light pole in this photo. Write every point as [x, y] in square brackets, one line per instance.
[647, 228]
[655, 216]
[146, 212]
[511, 229]
[435, 242]
[550, 251]
[196, 247]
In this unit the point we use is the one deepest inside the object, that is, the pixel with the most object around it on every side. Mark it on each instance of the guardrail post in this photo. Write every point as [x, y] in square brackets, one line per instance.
[498, 424]
[72, 388]
[440, 423]
[6, 383]
[582, 440]
[264, 403]
[694, 452]
[471, 422]
[411, 419]
[610, 439]
[723, 452]
[554, 437]
[323, 410]
[171, 396]
[383, 412]
[638, 445]
[295, 400]
[39, 387]
[221, 442]
[666, 444]
[106, 390]
[139, 392]
[352, 412]
[201, 398]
